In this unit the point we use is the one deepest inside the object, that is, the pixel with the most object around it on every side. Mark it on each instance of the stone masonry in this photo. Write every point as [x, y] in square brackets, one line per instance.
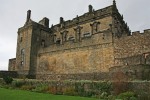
[95, 42]
[12, 64]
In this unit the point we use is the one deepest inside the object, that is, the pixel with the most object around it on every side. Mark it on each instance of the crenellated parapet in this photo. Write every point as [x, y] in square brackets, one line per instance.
[133, 49]
[147, 31]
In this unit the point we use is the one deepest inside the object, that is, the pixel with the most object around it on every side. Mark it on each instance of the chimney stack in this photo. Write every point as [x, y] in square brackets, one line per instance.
[90, 8]
[114, 2]
[28, 15]
[61, 20]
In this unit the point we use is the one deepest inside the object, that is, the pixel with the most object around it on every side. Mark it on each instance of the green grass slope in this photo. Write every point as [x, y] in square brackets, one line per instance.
[7, 94]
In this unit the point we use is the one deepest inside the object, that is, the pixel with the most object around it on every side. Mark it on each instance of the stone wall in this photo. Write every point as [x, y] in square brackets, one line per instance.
[132, 72]
[82, 54]
[93, 54]
[80, 76]
[12, 74]
[23, 49]
[142, 89]
[12, 64]
[40, 39]
[135, 47]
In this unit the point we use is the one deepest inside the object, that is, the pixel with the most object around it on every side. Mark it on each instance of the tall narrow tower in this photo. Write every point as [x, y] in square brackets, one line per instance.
[30, 38]
[24, 47]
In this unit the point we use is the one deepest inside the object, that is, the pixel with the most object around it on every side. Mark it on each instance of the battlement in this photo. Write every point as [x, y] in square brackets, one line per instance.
[140, 33]
[147, 31]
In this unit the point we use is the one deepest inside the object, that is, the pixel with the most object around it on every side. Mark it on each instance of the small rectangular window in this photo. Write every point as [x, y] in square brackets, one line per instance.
[86, 35]
[22, 63]
[71, 38]
[22, 51]
[43, 43]
[20, 39]
[58, 41]
[22, 56]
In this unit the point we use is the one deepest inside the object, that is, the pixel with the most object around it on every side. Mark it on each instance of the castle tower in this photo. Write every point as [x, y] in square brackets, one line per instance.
[23, 56]
[31, 37]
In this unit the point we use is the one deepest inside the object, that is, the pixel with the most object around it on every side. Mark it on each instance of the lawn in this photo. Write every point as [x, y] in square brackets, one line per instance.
[8, 94]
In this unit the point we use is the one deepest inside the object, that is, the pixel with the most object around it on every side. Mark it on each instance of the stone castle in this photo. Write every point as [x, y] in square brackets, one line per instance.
[85, 47]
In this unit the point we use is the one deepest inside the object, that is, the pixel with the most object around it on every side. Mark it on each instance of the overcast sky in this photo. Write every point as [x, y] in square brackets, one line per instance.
[13, 15]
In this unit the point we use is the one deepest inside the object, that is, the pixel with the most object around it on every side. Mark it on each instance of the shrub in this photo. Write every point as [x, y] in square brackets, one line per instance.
[7, 79]
[69, 91]
[43, 88]
[52, 90]
[79, 88]
[119, 83]
[18, 84]
[89, 94]
[102, 89]
[127, 96]
[104, 95]
[27, 87]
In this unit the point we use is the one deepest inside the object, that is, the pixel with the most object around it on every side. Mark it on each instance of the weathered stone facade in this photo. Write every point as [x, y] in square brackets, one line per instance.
[12, 64]
[95, 42]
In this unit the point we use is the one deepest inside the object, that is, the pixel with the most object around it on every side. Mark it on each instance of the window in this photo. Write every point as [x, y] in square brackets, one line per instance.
[71, 38]
[94, 27]
[22, 56]
[22, 63]
[20, 39]
[22, 51]
[54, 38]
[87, 35]
[58, 41]
[43, 43]
[65, 37]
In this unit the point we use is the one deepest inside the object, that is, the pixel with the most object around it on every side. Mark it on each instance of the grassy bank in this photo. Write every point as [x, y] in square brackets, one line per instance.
[7, 94]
